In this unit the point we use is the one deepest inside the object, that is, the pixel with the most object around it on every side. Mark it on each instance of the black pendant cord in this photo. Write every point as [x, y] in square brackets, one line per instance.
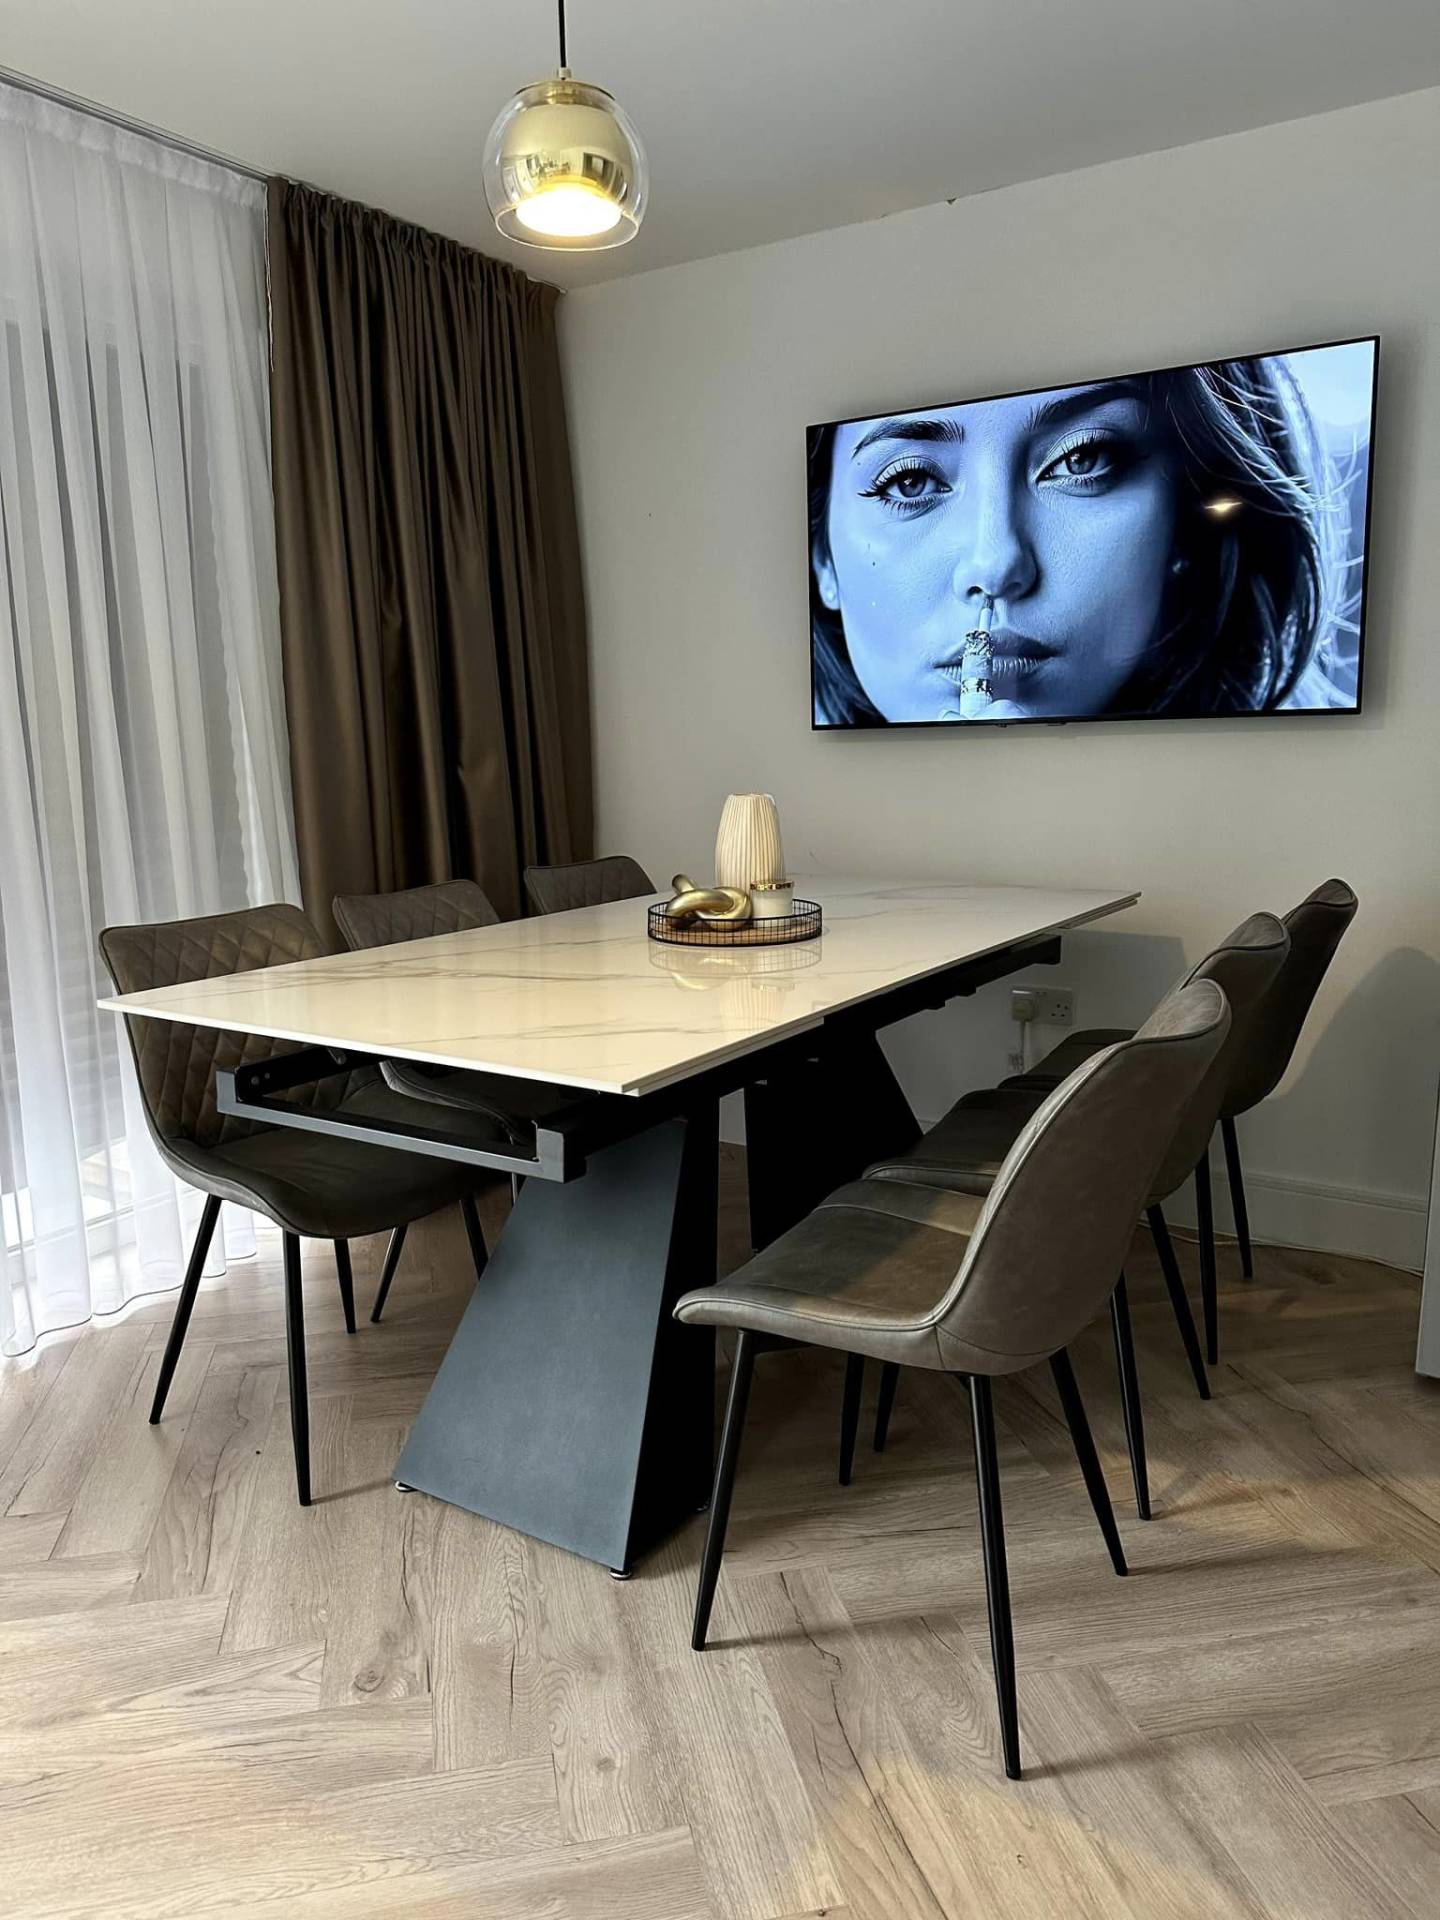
[564, 62]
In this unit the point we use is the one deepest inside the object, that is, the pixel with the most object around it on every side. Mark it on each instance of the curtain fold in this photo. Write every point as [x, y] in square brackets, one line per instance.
[431, 611]
[143, 755]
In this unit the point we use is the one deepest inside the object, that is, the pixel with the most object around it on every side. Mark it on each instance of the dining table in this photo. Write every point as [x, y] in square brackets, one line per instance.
[570, 1404]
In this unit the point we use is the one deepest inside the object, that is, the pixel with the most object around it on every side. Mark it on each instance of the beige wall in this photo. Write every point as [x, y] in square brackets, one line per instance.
[690, 389]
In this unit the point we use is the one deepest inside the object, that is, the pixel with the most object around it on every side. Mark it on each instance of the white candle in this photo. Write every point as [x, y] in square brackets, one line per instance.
[772, 901]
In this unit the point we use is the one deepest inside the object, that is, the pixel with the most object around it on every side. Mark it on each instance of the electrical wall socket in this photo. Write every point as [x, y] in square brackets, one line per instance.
[1054, 1005]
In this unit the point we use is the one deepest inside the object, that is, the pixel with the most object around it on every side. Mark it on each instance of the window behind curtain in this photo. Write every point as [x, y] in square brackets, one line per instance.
[143, 752]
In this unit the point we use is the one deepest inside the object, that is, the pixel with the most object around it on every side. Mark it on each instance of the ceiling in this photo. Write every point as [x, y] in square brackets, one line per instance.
[763, 118]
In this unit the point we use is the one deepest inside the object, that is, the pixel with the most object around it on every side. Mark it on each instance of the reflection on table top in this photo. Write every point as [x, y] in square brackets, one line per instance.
[587, 1000]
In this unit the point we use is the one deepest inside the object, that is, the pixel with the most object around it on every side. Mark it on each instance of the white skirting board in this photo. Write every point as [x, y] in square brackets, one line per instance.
[1361, 1221]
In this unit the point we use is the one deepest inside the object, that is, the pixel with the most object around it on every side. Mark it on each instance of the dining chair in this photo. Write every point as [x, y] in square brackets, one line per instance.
[587, 883]
[505, 1105]
[1316, 928]
[311, 1185]
[980, 1287]
[964, 1150]
[412, 913]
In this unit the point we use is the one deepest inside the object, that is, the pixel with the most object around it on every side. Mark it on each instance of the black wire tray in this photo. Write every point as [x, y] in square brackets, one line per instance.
[802, 923]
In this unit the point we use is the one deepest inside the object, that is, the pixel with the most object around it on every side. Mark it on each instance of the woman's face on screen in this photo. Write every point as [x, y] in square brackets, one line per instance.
[1047, 519]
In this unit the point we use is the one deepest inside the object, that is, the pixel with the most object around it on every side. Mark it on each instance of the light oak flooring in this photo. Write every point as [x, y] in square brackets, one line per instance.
[211, 1702]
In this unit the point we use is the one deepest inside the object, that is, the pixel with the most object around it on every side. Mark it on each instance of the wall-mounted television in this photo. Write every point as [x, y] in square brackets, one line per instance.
[1182, 543]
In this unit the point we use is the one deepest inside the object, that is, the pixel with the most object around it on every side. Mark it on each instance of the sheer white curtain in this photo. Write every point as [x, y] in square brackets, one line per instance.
[143, 755]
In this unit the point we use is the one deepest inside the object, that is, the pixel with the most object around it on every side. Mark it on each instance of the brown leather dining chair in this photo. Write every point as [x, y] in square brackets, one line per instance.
[980, 1287]
[310, 1185]
[587, 883]
[1316, 928]
[500, 1103]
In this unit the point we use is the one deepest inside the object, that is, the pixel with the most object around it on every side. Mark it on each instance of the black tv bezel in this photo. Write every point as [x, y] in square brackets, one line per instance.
[1117, 719]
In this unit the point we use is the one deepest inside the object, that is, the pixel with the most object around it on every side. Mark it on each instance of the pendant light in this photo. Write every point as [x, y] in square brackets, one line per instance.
[564, 166]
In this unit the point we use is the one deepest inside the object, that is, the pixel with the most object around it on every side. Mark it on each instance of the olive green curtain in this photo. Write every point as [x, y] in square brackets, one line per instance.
[433, 624]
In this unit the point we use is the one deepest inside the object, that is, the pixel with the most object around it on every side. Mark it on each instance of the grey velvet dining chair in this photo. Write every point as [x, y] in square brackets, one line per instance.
[311, 1185]
[587, 883]
[1316, 927]
[500, 1104]
[980, 1287]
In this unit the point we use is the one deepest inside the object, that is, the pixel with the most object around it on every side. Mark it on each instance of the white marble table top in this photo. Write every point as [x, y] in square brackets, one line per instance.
[586, 999]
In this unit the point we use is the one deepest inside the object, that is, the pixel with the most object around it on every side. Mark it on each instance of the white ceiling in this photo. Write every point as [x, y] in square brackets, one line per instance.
[763, 118]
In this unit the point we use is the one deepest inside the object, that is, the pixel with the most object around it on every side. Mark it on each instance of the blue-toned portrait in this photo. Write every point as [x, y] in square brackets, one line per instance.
[1187, 542]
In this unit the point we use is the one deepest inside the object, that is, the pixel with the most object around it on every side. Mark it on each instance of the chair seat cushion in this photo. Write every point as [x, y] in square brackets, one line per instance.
[512, 1106]
[326, 1188]
[963, 1152]
[1062, 1061]
[864, 1273]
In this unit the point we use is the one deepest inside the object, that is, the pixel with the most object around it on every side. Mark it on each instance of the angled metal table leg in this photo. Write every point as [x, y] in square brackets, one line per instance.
[570, 1405]
[813, 1125]
[819, 1117]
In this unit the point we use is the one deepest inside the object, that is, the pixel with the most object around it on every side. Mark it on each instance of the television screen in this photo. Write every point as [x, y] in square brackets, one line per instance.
[1181, 543]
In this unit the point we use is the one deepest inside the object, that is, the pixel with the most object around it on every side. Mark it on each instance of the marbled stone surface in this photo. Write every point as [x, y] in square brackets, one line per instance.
[586, 999]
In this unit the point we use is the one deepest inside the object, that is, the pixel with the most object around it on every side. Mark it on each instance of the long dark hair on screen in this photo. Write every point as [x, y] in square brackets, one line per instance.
[1246, 607]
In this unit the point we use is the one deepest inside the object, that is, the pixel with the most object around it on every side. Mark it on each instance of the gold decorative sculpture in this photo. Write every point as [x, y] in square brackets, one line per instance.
[690, 902]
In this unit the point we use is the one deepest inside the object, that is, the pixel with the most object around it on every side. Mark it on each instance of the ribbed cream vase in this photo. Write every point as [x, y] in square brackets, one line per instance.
[747, 848]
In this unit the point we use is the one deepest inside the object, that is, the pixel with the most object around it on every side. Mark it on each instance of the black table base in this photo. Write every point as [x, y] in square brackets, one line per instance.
[813, 1124]
[570, 1405]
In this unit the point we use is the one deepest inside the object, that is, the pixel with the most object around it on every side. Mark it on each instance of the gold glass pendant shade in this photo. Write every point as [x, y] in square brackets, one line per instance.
[564, 167]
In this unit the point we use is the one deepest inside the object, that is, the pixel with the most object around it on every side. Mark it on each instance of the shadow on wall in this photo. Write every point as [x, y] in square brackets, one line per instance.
[1339, 1158]
[1116, 978]
[1357, 1113]
[1333, 1160]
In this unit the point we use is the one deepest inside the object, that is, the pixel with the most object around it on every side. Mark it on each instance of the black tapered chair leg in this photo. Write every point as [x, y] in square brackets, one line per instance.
[185, 1305]
[997, 1577]
[1130, 1396]
[1179, 1299]
[475, 1234]
[1074, 1408]
[885, 1405]
[735, 1405]
[850, 1414]
[295, 1355]
[1205, 1226]
[387, 1272]
[1236, 1176]
[347, 1282]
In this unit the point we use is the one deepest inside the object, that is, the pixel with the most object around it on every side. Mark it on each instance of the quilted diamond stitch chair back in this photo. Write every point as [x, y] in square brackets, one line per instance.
[417, 913]
[587, 883]
[177, 1064]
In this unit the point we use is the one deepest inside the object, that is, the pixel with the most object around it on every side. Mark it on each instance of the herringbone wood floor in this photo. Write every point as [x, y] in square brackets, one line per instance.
[211, 1702]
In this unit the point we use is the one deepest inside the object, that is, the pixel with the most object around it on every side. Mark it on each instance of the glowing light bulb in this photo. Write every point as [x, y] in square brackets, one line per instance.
[568, 211]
